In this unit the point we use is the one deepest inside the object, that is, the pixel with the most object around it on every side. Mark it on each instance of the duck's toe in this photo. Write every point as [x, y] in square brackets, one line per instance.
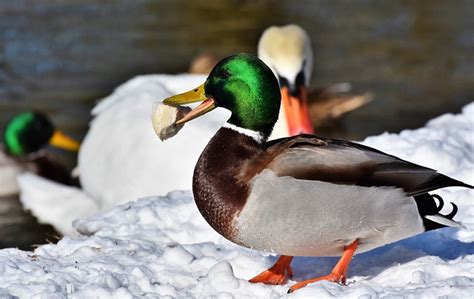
[339, 278]
[338, 274]
[269, 277]
[276, 274]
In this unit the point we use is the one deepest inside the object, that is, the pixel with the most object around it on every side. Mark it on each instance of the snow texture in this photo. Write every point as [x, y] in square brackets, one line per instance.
[160, 247]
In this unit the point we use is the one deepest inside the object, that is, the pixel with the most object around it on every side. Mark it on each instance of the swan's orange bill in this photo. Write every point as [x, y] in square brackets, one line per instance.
[297, 112]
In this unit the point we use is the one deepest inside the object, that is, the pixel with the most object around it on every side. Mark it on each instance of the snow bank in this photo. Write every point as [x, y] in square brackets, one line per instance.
[162, 247]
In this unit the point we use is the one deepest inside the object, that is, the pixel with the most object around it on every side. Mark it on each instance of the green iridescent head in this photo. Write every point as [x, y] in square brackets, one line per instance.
[244, 85]
[26, 133]
[247, 87]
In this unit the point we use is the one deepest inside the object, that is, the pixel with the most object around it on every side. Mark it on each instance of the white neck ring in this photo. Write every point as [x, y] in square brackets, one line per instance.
[257, 136]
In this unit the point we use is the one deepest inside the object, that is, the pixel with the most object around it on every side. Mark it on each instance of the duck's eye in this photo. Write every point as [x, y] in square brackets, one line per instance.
[224, 74]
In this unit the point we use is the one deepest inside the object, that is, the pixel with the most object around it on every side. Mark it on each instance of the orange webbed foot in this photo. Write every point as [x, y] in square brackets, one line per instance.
[338, 274]
[276, 274]
[334, 277]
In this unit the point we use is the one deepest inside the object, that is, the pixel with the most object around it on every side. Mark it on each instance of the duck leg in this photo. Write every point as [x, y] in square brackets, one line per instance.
[338, 273]
[276, 274]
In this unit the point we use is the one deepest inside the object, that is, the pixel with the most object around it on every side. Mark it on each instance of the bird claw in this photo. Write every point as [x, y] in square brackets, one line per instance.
[333, 277]
[338, 274]
[268, 277]
[276, 274]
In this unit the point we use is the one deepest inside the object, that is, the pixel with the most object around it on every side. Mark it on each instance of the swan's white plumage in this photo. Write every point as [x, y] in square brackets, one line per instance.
[54, 203]
[122, 159]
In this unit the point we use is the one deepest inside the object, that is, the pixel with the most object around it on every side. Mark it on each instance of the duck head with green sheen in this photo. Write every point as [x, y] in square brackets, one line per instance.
[244, 85]
[28, 132]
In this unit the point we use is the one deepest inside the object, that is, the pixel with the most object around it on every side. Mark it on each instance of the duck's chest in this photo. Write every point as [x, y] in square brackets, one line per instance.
[218, 188]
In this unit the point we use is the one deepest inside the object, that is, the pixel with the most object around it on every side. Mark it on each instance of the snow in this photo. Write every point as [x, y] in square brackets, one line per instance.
[159, 247]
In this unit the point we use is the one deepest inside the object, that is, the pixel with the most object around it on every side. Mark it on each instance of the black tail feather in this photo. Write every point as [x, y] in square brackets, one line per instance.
[439, 181]
[446, 181]
[440, 202]
[427, 206]
[453, 212]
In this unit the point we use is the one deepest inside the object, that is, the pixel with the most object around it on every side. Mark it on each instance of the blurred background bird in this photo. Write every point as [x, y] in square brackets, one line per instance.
[25, 140]
[28, 138]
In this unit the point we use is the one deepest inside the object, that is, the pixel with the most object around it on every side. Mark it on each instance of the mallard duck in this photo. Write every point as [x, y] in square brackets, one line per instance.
[24, 138]
[303, 195]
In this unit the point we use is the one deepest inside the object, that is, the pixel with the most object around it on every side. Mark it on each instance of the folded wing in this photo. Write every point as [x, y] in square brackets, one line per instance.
[336, 161]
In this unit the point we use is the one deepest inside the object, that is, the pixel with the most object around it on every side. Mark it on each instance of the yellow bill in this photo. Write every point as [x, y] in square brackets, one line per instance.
[60, 140]
[192, 96]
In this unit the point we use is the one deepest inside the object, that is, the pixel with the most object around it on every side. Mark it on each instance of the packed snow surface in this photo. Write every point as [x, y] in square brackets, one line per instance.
[160, 247]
